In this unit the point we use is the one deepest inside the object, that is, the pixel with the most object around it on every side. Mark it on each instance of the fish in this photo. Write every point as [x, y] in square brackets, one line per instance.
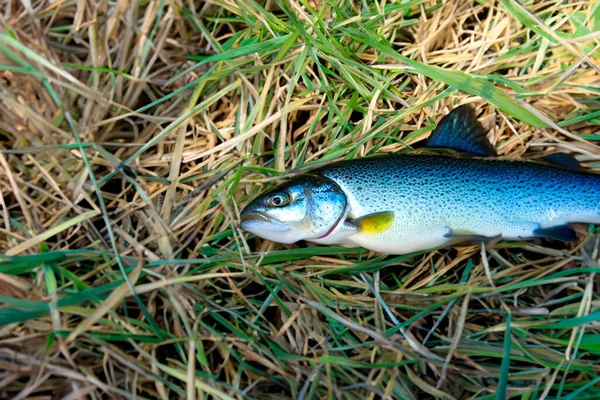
[455, 190]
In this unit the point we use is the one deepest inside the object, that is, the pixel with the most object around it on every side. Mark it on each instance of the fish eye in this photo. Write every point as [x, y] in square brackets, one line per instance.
[280, 200]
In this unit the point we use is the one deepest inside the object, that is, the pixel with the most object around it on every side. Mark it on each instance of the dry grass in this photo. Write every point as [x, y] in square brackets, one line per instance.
[132, 132]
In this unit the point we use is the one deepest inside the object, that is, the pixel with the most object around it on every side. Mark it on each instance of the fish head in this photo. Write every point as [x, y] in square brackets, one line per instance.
[304, 208]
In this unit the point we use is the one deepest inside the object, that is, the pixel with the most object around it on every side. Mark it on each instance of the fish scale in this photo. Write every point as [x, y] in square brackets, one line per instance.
[431, 194]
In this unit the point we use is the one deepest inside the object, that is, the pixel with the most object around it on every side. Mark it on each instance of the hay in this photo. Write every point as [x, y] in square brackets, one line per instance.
[132, 133]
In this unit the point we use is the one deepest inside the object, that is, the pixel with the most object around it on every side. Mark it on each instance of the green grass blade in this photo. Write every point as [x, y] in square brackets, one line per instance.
[503, 382]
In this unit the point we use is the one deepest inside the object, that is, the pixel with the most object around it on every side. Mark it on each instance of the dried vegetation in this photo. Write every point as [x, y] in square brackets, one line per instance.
[132, 132]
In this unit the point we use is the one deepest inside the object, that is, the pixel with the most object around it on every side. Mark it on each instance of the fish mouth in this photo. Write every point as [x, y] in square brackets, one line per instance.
[254, 217]
[256, 222]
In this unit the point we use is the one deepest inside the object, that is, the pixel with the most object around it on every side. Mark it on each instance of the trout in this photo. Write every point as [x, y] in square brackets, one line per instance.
[453, 191]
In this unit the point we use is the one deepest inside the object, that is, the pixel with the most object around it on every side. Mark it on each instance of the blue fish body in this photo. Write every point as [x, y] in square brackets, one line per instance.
[437, 199]
[400, 204]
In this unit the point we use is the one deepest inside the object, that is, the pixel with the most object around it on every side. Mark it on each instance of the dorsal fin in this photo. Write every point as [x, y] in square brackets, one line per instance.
[460, 130]
[562, 159]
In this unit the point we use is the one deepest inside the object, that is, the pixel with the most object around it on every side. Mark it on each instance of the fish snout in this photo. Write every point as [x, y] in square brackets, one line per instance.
[257, 221]
[248, 217]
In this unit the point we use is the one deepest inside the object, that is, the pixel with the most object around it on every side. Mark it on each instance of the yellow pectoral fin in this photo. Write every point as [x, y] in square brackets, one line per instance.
[374, 223]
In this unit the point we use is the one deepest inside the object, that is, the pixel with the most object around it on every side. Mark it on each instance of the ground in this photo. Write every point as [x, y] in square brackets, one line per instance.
[132, 133]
